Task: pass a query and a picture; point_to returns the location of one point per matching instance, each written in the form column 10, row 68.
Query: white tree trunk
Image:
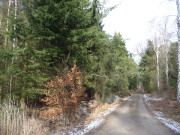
column 178, row 33
column 166, row 47
column 157, row 68
column 14, row 39
column 167, row 70
column 7, row 24
column 156, row 49
column 1, row 20
column 161, row 40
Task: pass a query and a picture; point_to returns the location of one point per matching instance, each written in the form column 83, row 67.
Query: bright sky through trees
column 132, row 19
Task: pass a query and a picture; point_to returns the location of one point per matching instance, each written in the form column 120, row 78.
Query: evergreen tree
column 51, row 36
column 173, row 67
column 148, row 68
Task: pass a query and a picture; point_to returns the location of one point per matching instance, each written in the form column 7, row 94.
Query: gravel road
column 132, row 118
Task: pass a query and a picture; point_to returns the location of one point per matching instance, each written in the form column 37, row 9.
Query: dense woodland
column 55, row 53
column 42, row 40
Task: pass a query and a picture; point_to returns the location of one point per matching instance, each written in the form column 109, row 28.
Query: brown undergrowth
column 64, row 96
column 97, row 108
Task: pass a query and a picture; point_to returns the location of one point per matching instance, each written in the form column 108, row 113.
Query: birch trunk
column 156, row 49
column 14, row 39
column 157, row 68
column 166, row 45
column 167, row 71
column 7, row 25
column 178, row 33
column 1, row 20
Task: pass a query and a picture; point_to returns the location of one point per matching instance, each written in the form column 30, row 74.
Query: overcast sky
column 132, row 19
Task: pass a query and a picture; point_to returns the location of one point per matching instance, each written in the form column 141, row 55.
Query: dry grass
column 117, row 102
column 99, row 108
column 14, row 121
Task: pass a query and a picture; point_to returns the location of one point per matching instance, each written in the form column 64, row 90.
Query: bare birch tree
column 161, row 39
column 165, row 39
column 155, row 38
column 166, row 47
column 156, row 46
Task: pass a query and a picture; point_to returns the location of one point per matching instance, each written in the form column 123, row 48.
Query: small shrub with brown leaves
column 65, row 94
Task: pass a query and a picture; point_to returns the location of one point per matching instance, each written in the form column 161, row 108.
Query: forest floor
column 168, row 106
column 166, row 109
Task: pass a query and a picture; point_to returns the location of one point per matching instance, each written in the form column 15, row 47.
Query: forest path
column 132, row 118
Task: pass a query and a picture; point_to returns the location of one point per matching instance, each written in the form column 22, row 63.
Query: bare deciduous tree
column 156, row 44
column 161, row 42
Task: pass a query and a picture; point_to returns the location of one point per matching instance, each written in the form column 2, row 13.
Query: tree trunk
column 1, row 20
column 157, row 69
column 0, row 93
column 167, row 71
column 178, row 25
column 166, row 45
column 156, row 49
column 15, row 15
column 7, row 25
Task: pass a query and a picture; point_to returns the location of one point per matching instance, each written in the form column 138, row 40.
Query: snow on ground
column 147, row 98
column 111, row 99
column 168, row 122
column 175, row 126
column 87, row 126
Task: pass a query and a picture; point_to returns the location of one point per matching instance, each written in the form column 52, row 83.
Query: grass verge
column 14, row 121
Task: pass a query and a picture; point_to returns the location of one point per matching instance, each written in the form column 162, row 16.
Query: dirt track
column 132, row 118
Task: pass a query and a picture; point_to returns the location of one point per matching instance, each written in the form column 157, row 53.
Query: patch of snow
column 110, row 110
column 85, row 128
column 168, row 122
column 126, row 98
column 92, row 124
column 116, row 97
column 147, row 98
column 112, row 99
column 88, row 126
column 84, row 109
